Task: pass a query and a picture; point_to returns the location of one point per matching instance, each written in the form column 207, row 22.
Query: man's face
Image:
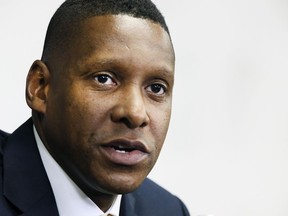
column 109, row 102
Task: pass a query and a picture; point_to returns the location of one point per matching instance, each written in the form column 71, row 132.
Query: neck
column 104, row 202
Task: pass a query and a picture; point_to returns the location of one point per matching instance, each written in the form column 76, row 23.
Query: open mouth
column 124, row 146
column 123, row 149
column 125, row 152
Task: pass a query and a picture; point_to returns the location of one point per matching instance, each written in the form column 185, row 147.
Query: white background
column 226, row 152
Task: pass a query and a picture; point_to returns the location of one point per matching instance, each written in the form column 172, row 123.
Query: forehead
column 122, row 25
column 119, row 35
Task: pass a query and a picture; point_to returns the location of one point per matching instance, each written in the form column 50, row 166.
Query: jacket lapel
column 26, row 184
column 128, row 204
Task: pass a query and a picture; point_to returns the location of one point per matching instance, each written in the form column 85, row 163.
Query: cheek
column 160, row 124
column 87, row 111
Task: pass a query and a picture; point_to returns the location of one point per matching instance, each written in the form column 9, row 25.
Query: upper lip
column 127, row 144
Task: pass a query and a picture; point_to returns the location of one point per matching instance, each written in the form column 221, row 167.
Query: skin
column 112, row 83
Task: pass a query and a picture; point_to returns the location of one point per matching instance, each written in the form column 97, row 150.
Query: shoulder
column 156, row 192
column 3, row 137
column 151, row 197
column 149, row 186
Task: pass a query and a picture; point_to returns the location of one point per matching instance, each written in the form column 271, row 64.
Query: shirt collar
column 70, row 199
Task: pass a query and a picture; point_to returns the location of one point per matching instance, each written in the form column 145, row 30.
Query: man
column 101, row 102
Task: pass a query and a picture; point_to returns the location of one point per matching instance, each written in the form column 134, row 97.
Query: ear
column 37, row 86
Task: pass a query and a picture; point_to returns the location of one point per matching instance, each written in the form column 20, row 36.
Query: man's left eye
column 158, row 89
column 104, row 79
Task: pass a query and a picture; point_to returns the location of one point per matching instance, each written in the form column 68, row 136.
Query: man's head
column 65, row 22
column 101, row 96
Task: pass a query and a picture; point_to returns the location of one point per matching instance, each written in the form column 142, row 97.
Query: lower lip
column 124, row 158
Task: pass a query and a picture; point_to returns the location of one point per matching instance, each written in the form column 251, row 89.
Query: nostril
column 126, row 122
column 134, row 121
column 144, row 124
column 132, row 113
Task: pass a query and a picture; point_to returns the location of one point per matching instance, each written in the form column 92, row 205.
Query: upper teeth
column 122, row 149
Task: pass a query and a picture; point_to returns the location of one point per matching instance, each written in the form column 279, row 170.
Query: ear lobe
column 37, row 86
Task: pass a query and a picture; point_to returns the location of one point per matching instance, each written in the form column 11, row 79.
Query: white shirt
column 70, row 199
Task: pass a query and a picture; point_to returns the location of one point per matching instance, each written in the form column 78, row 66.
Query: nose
column 130, row 109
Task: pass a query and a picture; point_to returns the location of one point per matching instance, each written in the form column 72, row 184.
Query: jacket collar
column 26, row 184
column 128, row 204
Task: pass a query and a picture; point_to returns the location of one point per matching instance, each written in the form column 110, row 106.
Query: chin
column 123, row 185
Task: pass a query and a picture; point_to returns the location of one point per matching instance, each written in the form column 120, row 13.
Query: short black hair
column 71, row 12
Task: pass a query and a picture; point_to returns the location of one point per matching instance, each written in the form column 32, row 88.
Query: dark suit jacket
column 25, row 189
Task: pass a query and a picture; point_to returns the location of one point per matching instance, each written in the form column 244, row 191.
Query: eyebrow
column 92, row 62
column 164, row 70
